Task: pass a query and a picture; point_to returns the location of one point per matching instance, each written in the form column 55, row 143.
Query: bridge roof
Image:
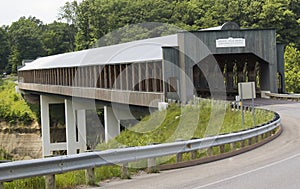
column 135, row 51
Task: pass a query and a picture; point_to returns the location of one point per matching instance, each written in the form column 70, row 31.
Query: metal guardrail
column 61, row 164
column 284, row 96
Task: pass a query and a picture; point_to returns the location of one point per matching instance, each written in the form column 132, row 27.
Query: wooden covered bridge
column 145, row 73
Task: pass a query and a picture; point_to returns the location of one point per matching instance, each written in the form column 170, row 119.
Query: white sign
column 231, row 42
column 247, row 90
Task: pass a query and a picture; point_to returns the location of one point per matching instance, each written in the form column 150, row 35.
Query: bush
column 13, row 108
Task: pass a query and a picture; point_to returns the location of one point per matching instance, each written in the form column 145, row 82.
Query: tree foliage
column 25, row 41
column 97, row 22
column 292, row 69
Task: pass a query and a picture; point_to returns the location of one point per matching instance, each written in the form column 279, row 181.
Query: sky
column 44, row 10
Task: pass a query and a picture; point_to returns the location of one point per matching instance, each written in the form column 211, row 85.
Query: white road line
column 248, row 172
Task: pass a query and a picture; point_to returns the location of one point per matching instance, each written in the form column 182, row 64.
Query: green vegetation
column 97, row 22
column 66, row 181
column 13, row 108
column 292, row 69
column 205, row 118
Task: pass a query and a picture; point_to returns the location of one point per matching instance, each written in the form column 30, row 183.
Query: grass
column 202, row 118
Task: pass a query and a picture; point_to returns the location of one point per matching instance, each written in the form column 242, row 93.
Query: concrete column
column 112, row 124
column 47, row 146
column 70, row 127
column 45, row 124
column 81, row 124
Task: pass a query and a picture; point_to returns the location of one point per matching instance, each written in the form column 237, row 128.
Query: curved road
column 275, row 165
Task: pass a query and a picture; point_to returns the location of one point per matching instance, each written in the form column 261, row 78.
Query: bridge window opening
column 257, row 77
column 57, row 123
column 279, row 82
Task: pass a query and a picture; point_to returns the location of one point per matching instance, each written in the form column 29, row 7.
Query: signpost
column 247, row 91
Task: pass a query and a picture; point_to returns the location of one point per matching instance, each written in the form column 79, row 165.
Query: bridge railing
column 89, row 160
column 295, row 97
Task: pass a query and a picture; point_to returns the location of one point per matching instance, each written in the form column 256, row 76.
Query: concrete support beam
column 112, row 124
column 70, row 127
column 47, row 147
column 75, row 119
column 81, row 124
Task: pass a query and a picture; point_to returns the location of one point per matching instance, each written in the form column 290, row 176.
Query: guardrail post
column 233, row 146
column 179, row 157
column 1, row 185
column 193, row 154
column 256, row 139
column 242, row 144
column 249, row 141
column 222, row 148
column 90, row 176
column 152, row 166
column 124, row 171
column 209, row 151
column 50, row 182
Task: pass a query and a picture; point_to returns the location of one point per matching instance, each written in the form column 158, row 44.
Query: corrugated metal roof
column 135, row 51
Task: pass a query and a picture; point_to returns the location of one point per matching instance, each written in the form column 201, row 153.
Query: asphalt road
column 275, row 165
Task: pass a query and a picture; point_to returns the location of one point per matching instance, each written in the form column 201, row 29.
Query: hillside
column 202, row 118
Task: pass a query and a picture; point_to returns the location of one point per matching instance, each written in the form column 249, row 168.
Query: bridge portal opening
column 243, row 67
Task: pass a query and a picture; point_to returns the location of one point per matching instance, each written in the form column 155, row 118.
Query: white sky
column 45, row 10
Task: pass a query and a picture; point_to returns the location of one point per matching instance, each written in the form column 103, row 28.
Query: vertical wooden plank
column 110, row 73
column 129, row 77
column 126, row 78
column 140, row 77
column 105, row 76
column 155, row 78
column 100, row 69
column 147, row 77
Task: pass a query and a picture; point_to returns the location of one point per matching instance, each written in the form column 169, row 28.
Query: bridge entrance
column 244, row 67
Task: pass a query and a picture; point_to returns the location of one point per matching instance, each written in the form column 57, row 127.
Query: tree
column 4, row 48
column 58, row 38
column 25, row 41
column 292, row 69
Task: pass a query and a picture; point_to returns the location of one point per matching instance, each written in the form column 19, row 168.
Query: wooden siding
column 140, row 82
